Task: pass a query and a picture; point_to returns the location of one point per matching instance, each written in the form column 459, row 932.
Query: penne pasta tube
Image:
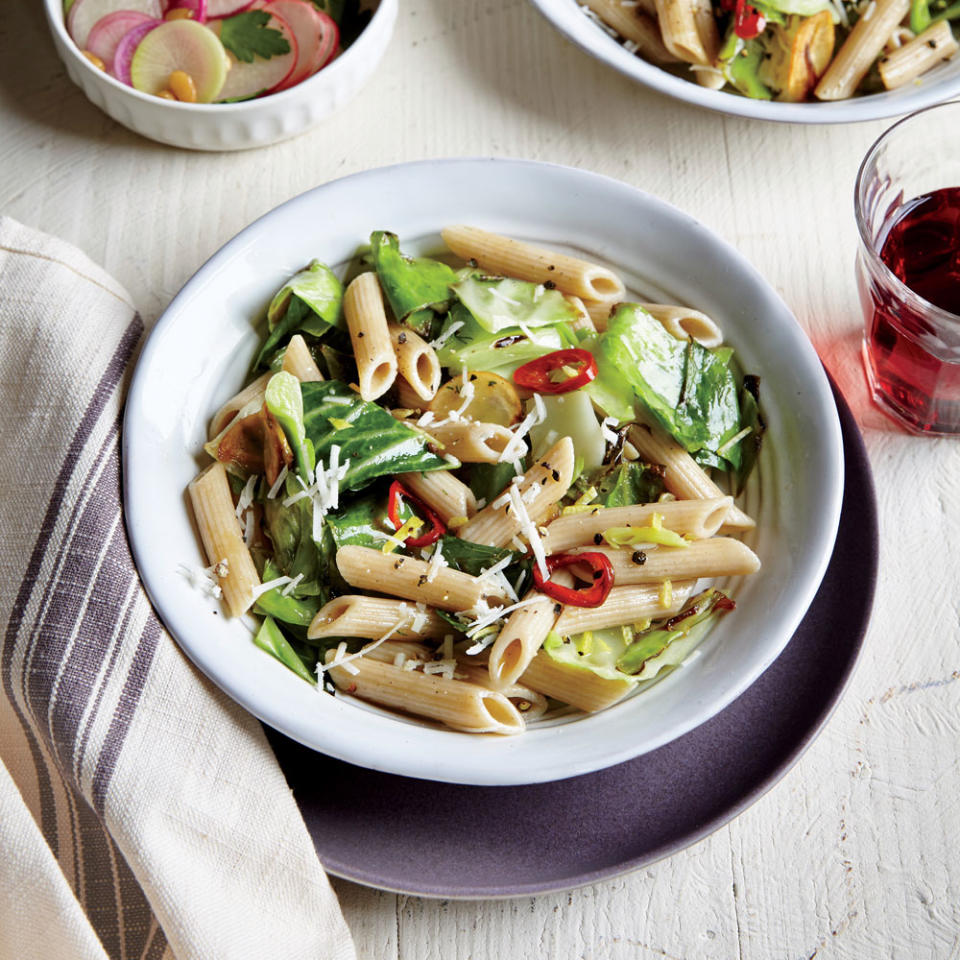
column 253, row 391
column 417, row 362
column 370, row 336
column 470, row 441
column 407, row 397
column 519, row 640
column 514, row 258
column 918, row 56
column 635, row 25
column 600, row 313
column 574, row 685
column 682, row 323
column 716, row 557
column 529, row 702
column 678, row 22
column 388, row 651
column 624, row 605
column 497, row 523
column 407, row 577
column 298, row 361
column 440, row 490
column 684, row 477
column 697, row 519
column 222, row 539
column 463, row 706
column 371, row 617
column 861, row 48
column 706, row 24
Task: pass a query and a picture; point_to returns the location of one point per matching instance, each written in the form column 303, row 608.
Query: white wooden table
column 856, row 853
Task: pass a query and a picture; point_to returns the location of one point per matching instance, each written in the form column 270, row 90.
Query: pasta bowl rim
column 876, row 106
column 156, row 425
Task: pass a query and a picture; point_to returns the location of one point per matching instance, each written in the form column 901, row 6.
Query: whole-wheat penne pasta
column 528, row 701
column 716, row 557
column 388, row 651
column 416, row 362
column 635, row 25
column 580, row 688
column 697, row 519
column 222, row 539
column 298, row 361
column 919, row 55
column 408, row 577
column 463, row 706
column 367, row 322
column 684, row 477
column 236, row 403
column 706, row 24
column 678, row 27
column 861, row 48
column 600, row 312
column 682, row 322
column 440, row 490
column 371, row 617
column 514, row 258
column 519, row 640
column 407, row 397
column 626, row 604
column 498, row 523
column 429, row 448
column 470, row 441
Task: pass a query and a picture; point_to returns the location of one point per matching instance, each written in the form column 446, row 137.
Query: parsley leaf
column 247, row 35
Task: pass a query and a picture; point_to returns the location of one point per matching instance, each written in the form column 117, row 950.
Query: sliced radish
column 199, row 8
column 84, row 15
column 180, row 45
column 108, row 31
column 316, row 32
column 127, row 47
column 226, row 8
column 262, row 76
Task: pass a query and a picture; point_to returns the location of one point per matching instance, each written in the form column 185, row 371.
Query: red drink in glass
column 909, row 275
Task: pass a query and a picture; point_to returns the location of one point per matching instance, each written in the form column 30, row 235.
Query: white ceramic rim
column 371, row 739
column 942, row 83
column 329, row 74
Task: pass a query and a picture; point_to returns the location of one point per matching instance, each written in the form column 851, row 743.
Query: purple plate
column 453, row 841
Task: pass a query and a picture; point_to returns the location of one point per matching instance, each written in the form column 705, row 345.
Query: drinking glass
column 911, row 347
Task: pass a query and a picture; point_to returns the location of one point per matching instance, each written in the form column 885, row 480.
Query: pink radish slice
column 199, row 8
column 84, row 15
column 180, row 45
column 261, row 76
column 217, row 9
column 108, row 31
column 127, row 47
column 317, row 36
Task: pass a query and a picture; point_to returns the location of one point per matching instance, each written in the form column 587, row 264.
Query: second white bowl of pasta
column 460, row 499
column 796, row 61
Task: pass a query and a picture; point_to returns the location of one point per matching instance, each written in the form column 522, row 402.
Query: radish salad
column 212, row 51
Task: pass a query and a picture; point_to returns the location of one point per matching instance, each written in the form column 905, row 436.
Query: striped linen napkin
column 142, row 813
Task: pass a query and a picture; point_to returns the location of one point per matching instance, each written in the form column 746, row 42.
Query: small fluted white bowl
column 230, row 126
column 941, row 83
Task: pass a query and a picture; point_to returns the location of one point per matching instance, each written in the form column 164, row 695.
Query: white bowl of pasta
column 431, row 662
column 851, row 60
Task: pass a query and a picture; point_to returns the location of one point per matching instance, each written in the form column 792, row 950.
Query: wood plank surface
column 856, row 853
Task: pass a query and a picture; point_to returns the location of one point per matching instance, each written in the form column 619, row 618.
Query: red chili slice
column 748, row 21
column 592, row 596
column 437, row 526
column 535, row 375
